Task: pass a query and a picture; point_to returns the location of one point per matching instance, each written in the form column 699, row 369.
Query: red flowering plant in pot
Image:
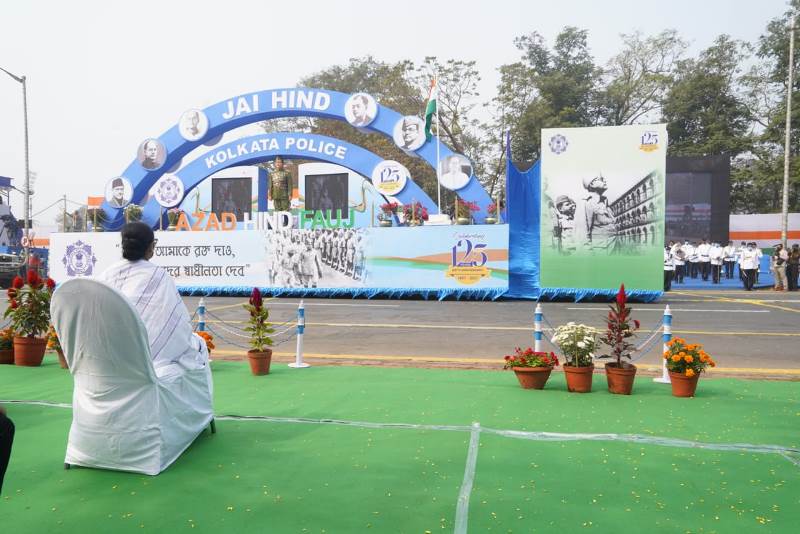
column 415, row 213
column 388, row 210
column 532, row 368
column 29, row 310
column 619, row 329
column 259, row 327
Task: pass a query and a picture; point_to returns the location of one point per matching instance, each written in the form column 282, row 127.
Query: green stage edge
column 256, row 476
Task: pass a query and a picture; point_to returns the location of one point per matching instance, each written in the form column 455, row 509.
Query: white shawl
column 153, row 293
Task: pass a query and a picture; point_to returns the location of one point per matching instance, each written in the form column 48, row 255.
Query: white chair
column 124, row 416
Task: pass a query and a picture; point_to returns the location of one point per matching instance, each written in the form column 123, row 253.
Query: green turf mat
column 251, row 476
column 725, row 410
column 534, row 486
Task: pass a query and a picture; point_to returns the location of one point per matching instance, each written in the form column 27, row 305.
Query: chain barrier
column 219, row 336
column 645, row 347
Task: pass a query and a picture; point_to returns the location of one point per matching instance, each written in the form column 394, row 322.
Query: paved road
column 743, row 330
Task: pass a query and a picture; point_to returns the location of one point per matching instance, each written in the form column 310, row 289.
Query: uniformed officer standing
column 729, row 257
column 280, row 186
column 705, row 261
column 669, row 269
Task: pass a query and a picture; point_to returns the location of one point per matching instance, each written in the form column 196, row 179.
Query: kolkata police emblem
column 168, row 191
column 79, row 259
column 558, row 144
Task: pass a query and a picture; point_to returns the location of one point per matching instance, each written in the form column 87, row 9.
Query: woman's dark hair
column 136, row 238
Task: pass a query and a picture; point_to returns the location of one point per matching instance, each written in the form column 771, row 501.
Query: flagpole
column 438, row 142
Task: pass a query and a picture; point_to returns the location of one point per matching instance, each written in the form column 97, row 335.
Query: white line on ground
column 661, row 310
column 462, row 507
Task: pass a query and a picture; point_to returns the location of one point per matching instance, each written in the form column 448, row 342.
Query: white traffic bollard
column 666, row 337
column 301, row 325
column 537, row 328
column 201, row 315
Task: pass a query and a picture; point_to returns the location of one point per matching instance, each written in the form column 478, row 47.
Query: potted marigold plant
column 532, row 368
column 578, row 343
column 685, row 362
column 54, row 344
column 260, row 356
column 619, row 329
column 209, row 340
column 7, row 346
column 29, row 309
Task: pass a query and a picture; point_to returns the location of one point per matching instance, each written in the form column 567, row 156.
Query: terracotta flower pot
column 620, row 379
column 532, row 377
column 682, row 385
column 259, row 361
column 579, row 379
column 7, row 357
column 62, row 361
column 29, row 351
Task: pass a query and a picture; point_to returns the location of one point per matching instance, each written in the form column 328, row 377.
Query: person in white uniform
column 152, row 292
column 715, row 256
column 669, row 269
column 749, row 265
column 702, row 251
column 729, row 259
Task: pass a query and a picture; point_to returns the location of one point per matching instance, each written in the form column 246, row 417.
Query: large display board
column 602, row 207
column 473, row 259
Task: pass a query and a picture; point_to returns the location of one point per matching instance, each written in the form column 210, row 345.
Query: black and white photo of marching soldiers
column 316, row 258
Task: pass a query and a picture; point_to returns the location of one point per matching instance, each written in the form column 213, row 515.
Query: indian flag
column 430, row 109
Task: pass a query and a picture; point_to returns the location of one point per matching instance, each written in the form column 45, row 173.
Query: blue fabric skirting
column 350, row 292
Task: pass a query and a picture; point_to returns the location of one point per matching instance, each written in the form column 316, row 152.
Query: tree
column 636, row 80
column 704, row 112
column 547, row 88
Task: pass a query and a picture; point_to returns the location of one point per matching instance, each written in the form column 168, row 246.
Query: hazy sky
column 104, row 75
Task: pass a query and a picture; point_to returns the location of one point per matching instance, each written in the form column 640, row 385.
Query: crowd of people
column 711, row 260
column 296, row 259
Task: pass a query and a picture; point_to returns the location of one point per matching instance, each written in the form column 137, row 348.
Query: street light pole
column 785, row 206
column 27, row 209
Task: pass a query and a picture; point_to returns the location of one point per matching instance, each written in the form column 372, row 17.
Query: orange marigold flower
column 690, row 373
column 688, row 358
column 712, row 363
column 676, row 358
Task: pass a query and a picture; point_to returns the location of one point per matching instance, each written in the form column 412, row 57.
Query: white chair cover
column 124, row 416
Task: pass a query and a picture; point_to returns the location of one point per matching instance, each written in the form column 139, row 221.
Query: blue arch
column 271, row 104
column 265, row 147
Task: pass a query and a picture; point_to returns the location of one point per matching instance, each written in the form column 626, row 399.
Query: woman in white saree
column 152, row 292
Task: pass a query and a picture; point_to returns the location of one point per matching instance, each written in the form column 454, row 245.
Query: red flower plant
column 255, row 299
column 18, row 282
column 530, row 358
column 34, row 280
column 259, row 326
column 13, row 304
column 51, row 284
column 620, row 327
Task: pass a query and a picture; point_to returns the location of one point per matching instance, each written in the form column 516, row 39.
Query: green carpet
column 257, row 476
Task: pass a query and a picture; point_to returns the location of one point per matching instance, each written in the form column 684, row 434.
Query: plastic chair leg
column 213, row 427
column 66, row 465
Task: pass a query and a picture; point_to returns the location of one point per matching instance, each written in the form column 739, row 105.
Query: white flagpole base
column 303, row 365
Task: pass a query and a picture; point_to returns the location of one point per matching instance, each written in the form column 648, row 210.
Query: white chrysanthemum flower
column 581, row 344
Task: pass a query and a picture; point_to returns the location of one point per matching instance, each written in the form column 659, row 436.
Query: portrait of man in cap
column 564, row 227
column 118, row 192
column 598, row 217
column 409, row 133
